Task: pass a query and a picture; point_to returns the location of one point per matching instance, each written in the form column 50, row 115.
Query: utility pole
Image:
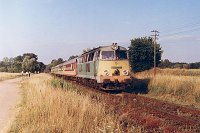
column 156, row 33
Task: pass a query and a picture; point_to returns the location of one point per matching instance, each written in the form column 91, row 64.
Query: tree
column 29, row 64
column 18, row 58
column 31, row 55
column 6, row 61
column 141, row 54
column 55, row 62
column 40, row 67
column 165, row 64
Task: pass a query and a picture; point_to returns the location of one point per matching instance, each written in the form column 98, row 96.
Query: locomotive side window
column 85, row 58
column 107, row 55
column 97, row 55
column 91, row 56
column 120, row 55
column 80, row 60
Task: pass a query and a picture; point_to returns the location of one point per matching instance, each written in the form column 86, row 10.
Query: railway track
column 150, row 114
column 155, row 115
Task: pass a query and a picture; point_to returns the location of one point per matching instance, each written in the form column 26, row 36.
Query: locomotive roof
column 100, row 47
column 104, row 47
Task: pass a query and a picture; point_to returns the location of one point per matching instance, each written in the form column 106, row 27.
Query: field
column 52, row 105
column 4, row 76
column 179, row 86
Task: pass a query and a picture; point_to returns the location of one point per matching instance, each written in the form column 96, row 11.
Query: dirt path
column 9, row 95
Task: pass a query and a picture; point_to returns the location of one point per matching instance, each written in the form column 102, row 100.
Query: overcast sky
column 60, row 28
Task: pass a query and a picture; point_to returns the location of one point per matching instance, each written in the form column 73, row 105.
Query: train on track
column 105, row 67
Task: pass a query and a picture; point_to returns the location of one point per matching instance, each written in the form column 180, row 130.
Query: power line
column 188, row 25
column 180, row 23
column 189, row 30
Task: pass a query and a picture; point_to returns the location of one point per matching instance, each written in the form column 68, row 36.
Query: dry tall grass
column 181, row 86
column 48, row 109
column 4, row 75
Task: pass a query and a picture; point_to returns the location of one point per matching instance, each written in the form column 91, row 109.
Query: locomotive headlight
column 125, row 72
column 106, row 72
column 114, row 46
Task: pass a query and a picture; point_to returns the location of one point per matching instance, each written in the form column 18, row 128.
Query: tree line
column 167, row 64
column 140, row 51
column 26, row 63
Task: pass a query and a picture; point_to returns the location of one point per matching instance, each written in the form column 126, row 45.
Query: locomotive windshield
column 114, row 55
column 108, row 55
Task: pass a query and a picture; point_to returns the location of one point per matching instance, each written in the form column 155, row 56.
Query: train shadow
column 138, row 86
column 113, row 91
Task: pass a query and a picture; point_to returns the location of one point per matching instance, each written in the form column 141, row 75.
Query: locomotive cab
column 117, row 53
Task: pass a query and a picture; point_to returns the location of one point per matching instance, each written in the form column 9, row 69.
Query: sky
column 61, row 28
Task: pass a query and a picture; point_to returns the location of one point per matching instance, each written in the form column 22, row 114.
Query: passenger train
column 105, row 67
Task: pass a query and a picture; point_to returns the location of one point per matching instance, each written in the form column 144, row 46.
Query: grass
column 51, row 105
column 180, row 86
column 5, row 76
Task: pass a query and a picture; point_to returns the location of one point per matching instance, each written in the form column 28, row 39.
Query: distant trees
column 141, row 54
column 167, row 64
column 8, row 65
column 195, row 65
column 72, row 57
column 26, row 62
column 53, row 63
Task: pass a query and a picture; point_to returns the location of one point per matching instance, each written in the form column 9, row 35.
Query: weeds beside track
column 149, row 114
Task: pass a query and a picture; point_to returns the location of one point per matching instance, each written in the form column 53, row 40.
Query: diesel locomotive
column 105, row 67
